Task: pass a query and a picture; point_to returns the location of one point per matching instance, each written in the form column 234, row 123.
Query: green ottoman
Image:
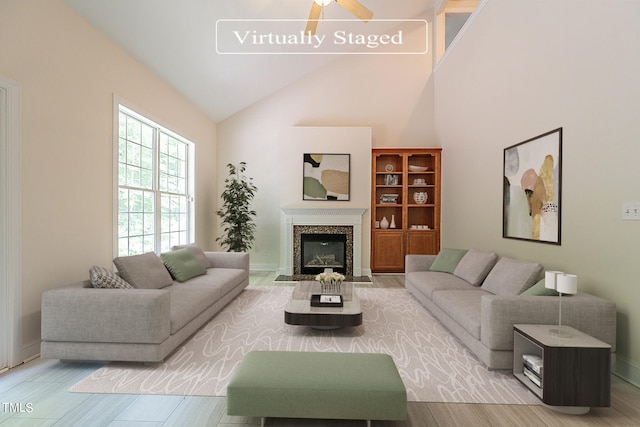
column 283, row 384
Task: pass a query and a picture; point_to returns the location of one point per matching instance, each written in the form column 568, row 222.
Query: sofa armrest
column 239, row 260
column 418, row 262
column 81, row 314
column 590, row 314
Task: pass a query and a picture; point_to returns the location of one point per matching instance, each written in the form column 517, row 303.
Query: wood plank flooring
column 36, row 394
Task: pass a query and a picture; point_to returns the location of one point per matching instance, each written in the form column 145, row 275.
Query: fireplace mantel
column 323, row 216
column 291, row 211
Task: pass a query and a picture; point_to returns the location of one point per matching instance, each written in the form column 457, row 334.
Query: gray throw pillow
column 447, row 260
column 475, row 265
column 182, row 264
column 199, row 253
column 511, row 276
column 103, row 278
column 144, row 271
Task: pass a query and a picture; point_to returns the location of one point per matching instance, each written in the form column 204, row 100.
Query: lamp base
column 561, row 333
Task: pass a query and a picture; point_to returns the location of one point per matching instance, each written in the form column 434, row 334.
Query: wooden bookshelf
column 402, row 178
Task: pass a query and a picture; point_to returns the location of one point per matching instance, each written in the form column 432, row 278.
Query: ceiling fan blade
column 314, row 15
column 356, row 8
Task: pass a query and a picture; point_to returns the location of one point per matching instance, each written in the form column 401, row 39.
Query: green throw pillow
column 447, row 260
column 182, row 264
column 538, row 290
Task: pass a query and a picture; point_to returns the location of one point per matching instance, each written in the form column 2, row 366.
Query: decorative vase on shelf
column 420, row 197
column 393, row 222
column 384, row 223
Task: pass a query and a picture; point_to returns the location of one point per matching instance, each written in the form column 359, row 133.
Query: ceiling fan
column 353, row 6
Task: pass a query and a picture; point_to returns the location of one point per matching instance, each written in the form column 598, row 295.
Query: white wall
column 68, row 73
column 391, row 94
column 525, row 68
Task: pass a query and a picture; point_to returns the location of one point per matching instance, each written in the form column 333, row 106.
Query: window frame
column 120, row 105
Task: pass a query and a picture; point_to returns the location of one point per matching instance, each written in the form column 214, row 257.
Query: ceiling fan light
column 323, row 2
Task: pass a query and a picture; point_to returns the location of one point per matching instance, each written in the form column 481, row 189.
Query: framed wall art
column 325, row 176
column 532, row 182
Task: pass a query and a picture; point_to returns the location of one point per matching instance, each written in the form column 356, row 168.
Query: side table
column 576, row 369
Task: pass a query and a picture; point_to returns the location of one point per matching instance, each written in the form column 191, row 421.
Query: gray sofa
column 479, row 297
column 148, row 319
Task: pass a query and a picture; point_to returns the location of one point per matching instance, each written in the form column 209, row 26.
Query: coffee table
column 300, row 312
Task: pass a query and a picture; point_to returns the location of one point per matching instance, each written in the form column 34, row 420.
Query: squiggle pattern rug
column 434, row 365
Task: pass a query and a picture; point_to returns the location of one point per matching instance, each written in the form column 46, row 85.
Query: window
column 155, row 184
column 449, row 22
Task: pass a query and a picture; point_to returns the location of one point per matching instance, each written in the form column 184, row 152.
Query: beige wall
column 391, row 94
column 525, row 68
column 68, row 74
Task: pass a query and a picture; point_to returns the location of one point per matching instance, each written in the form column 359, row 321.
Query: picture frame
column 326, row 177
column 532, row 189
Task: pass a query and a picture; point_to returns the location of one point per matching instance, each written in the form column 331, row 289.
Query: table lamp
column 564, row 284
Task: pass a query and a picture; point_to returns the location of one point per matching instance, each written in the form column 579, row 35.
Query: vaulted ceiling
column 177, row 41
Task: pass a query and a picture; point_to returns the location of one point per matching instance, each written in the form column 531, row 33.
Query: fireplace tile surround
column 299, row 230
column 331, row 220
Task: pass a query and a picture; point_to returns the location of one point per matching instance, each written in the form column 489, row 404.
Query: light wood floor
column 36, row 394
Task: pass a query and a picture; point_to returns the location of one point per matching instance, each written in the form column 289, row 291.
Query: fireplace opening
column 320, row 251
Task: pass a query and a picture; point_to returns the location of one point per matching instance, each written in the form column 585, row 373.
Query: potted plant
column 237, row 218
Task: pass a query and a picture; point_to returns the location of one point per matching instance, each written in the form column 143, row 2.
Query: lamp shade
column 550, row 279
column 567, row 283
column 323, row 2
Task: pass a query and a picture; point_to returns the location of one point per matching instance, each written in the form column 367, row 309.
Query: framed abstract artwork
column 532, row 184
column 325, row 176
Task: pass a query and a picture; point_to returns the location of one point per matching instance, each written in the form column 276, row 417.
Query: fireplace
column 316, row 247
column 320, row 251
column 317, row 220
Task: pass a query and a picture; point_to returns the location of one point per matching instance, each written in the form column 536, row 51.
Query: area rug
column 434, row 365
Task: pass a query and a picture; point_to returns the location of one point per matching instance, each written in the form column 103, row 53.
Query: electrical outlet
column 631, row 211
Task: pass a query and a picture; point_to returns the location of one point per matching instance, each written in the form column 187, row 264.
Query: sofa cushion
column 198, row 252
column 511, row 276
column 182, row 264
column 225, row 279
column 463, row 306
column 144, row 271
column 103, row 278
column 447, row 260
column 475, row 265
column 539, row 290
column 187, row 302
column 429, row 281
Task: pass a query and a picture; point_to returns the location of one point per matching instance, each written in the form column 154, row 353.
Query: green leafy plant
column 237, row 217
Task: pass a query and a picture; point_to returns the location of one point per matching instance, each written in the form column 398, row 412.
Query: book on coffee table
column 325, row 300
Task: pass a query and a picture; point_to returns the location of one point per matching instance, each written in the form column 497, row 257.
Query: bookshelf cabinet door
column 388, row 254
column 422, row 242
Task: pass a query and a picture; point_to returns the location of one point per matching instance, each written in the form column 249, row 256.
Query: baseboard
column 30, row 351
column 627, row 371
column 263, row 267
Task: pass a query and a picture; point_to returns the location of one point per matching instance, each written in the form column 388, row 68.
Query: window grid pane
column 173, row 165
column 135, row 153
column 136, row 221
column 174, row 221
